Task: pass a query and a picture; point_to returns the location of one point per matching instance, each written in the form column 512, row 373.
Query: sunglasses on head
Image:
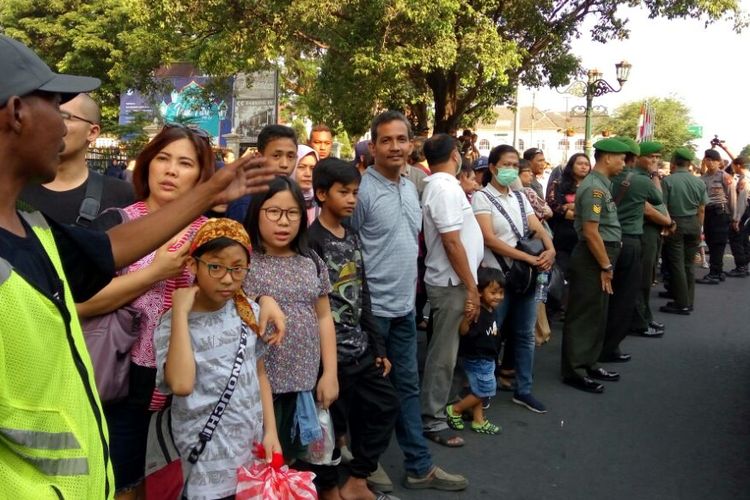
column 195, row 130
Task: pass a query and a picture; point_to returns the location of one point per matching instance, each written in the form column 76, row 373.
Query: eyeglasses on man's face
column 218, row 271
column 69, row 117
column 274, row 214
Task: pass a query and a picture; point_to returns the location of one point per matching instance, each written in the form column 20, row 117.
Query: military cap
column 683, row 154
column 612, row 146
column 634, row 148
column 651, row 147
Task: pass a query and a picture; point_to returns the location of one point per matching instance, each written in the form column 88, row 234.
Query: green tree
column 671, row 121
column 745, row 153
column 341, row 60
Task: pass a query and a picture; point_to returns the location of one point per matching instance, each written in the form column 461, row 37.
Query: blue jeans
column 400, row 335
column 517, row 314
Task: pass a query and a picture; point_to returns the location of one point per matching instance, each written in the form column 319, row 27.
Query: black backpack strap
column 92, row 200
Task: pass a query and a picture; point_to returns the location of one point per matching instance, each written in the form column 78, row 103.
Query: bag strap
column 525, row 220
column 213, row 420
column 623, row 188
column 92, row 200
column 505, row 214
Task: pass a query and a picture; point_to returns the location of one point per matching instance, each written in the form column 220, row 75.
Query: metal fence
column 100, row 158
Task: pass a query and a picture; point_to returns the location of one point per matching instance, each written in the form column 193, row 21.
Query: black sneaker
column 530, row 402
column 738, row 272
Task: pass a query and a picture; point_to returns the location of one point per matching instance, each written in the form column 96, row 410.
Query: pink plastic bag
column 274, row 481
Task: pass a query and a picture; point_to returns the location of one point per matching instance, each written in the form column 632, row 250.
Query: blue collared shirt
column 388, row 219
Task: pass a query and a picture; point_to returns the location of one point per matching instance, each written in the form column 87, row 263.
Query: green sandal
column 486, row 427
column 454, row 421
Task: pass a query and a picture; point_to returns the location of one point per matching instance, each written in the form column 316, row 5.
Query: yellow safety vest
column 53, row 437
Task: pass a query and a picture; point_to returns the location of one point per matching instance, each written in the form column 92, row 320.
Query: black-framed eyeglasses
column 195, row 130
column 217, row 271
column 274, row 214
column 70, row 117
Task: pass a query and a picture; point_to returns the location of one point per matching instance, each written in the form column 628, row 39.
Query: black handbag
column 520, row 277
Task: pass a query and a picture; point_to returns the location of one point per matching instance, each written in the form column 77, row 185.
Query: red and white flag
column 645, row 130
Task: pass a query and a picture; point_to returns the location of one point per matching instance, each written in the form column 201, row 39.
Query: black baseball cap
column 23, row 72
column 712, row 154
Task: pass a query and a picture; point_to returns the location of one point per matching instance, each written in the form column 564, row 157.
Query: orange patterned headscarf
column 227, row 228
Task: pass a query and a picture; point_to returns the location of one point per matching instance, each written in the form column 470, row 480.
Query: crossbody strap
column 213, row 420
column 623, row 188
column 505, row 213
column 92, row 200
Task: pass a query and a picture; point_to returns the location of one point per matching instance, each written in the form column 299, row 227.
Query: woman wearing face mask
column 517, row 313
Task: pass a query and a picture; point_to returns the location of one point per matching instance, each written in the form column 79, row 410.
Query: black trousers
column 716, row 230
column 368, row 406
column 739, row 242
column 626, row 283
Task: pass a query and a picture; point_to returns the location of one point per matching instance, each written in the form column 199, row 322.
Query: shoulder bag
column 520, row 277
column 167, row 473
column 109, row 338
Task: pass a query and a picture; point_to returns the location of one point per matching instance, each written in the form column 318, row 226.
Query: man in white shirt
column 454, row 251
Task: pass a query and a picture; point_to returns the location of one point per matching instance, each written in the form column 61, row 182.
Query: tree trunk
column 445, row 94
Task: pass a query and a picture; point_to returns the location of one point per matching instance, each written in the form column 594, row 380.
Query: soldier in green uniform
column 656, row 218
column 591, row 270
column 631, row 190
column 685, row 197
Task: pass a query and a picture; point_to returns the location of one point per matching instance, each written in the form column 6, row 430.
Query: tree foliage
column 342, row 60
column 671, row 121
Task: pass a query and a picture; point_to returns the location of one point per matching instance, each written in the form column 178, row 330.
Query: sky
column 707, row 68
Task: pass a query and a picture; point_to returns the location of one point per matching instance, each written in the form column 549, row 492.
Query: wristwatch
column 608, row 269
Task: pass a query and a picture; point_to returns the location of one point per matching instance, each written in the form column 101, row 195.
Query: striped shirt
column 388, row 219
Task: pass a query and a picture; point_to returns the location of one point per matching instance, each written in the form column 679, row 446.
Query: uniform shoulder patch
column 597, row 209
column 597, row 193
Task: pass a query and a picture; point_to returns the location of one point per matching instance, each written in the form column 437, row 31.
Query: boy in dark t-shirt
column 479, row 348
column 367, row 402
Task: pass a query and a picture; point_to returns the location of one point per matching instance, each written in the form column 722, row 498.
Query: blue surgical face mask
column 506, row 175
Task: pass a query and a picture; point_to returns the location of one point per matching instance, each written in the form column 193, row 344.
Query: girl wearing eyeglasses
column 285, row 268
column 174, row 162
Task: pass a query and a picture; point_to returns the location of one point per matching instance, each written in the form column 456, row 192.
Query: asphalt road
column 676, row 426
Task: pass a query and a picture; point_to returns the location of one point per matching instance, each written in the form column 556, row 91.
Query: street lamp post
column 596, row 86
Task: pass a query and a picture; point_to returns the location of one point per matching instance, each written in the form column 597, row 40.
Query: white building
column 552, row 132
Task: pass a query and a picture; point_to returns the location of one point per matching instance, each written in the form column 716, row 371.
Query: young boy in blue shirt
column 367, row 404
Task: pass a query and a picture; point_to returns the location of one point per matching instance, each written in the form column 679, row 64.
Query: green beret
column 634, row 148
column 683, row 154
column 651, row 147
column 612, row 146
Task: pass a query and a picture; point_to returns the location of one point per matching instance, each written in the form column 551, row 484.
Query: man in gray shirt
column 388, row 219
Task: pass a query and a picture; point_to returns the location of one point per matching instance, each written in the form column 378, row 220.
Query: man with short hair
column 592, row 264
column 685, row 197
column 739, row 236
column 455, row 249
column 277, row 144
column 535, row 157
column 631, row 190
column 63, row 199
column 722, row 199
column 321, row 140
column 388, row 219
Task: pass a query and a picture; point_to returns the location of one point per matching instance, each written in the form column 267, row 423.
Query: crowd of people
column 298, row 280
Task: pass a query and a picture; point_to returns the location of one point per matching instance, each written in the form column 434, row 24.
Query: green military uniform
column 683, row 194
column 650, row 251
column 586, row 317
column 631, row 189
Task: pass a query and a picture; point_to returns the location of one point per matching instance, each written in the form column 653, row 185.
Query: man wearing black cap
column 54, row 442
column 592, row 264
column 535, row 157
column 722, row 199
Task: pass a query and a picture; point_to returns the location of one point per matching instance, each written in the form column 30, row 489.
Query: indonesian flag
column 645, row 131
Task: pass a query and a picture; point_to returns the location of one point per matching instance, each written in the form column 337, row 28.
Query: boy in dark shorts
column 367, row 404
column 479, row 348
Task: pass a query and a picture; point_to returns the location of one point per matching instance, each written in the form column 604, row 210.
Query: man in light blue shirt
column 388, row 219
